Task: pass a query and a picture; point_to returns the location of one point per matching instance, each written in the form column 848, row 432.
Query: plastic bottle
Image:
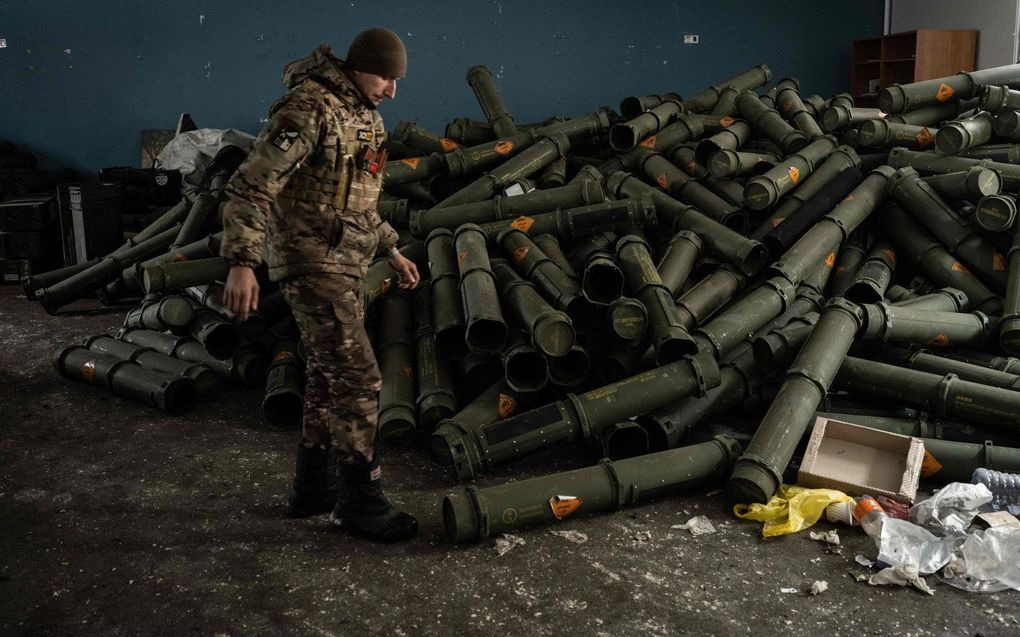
column 1005, row 487
column 869, row 513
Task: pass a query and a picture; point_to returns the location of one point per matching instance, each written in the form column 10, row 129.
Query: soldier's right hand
column 241, row 292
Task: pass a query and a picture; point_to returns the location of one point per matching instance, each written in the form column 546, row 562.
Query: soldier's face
column 374, row 87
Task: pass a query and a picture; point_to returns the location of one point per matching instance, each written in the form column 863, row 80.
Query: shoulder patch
column 285, row 139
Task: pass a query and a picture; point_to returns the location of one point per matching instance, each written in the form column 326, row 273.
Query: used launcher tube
column 398, row 421
column 962, row 86
column 436, row 399
column 486, row 330
column 475, row 513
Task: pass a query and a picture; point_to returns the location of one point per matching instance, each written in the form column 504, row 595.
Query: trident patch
column 285, row 140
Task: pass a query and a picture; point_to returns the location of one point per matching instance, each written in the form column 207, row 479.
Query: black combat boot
column 316, row 481
column 363, row 510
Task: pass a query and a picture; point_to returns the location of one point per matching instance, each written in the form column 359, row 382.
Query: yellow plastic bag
column 792, row 509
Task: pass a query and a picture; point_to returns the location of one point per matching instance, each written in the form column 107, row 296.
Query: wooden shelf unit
column 911, row 56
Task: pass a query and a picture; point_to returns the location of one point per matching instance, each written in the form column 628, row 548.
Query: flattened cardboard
column 859, row 460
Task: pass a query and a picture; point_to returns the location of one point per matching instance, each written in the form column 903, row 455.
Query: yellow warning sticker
column 448, row 144
column 924, row 138
column 999, row 262
column 959, row 267
column 506, row 406
column 940, row 341
column 929, row 466
column 661, row 180
column 504, row 147
column 831, row 259
column 88, row 370
column 522, row 223
column 794, row 174
column 648, row 142
column 944, row 93
column 412, row 163
column 563, row 505
column 520, row 253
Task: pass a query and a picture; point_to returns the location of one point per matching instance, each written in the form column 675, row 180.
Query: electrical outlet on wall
column 691, row 39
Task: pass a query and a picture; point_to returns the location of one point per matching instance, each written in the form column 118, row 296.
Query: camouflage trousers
column 341, row 395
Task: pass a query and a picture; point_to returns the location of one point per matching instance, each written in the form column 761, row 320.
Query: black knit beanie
column 379, row 51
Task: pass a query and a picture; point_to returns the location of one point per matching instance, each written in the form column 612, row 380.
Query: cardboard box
column 861, row 461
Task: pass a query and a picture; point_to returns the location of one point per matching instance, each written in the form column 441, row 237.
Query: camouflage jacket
column 300, row 196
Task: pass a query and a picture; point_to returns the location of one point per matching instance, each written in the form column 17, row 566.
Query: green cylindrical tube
column 524, row 367
column 874, row 275
column 745, row 315
column 770, row 123
column 731, row 138
column 851, row 254
column 284, row 401
column 774, row 350
column 659, row 170
column 942, row 395
column 33, row 282
column 610, row 485
column 554, row 175
column 708, row 295
column 626, row 135
column 928, row 254
column 436, row 400
column 996, row 99
column 763, row 191
column 1007, row 125
column 925, row 361
column 578, row 417
column 726, row 105
column 181, row 274
column 469, row 132
column 549, row 330
column 758, row 473
column 727, row 164
column 627, row 318
column 936, row 329
column 747, row 254
column 676, row 263
column 945, row 300
column 444, row 285
column 480, row 79
column 398, row 421
column 1009, row 328
column 792, row 107
column 833, row 229
column 206, row 204
column 880, row 133
column 571, row 369
column 219, row 337
column 669, row 339
column 931, row 115
column 623, row 440
column 424, row 221
column 245, row 366
column 995, row 213
column 729, row 190
column 550, row 245
column 602, row 281
column 173, row 394
column 485, row 328
column 631, row 107
column 962, row 86
column 1002, row 153
column 573, row 223
column 171, row 313
column 206, row 381
column 840, row 118
column 961, row 134
column 131, row 277
column 422, row 139
column 939, row 164
column 972, row 183
column 747, row 81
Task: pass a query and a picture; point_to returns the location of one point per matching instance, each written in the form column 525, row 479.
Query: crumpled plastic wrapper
column 508, row 543
column 819, row 587
column 574, row 536
column 699, row 525
column 191, row 152
column 903, row 542
column 901, row 575
column 988, row 562
column 829, row 537
column 951, row 510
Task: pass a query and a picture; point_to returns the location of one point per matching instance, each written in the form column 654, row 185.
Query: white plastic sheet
column 191, row 152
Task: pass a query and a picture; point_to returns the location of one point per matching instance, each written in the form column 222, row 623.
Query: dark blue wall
column 80, row 78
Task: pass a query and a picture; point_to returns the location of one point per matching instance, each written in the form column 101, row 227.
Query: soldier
column 307, row 194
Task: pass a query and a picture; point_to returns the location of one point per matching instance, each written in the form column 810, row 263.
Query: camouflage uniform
column 302, row 199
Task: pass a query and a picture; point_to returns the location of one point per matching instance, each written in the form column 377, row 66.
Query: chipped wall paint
column 81, row 82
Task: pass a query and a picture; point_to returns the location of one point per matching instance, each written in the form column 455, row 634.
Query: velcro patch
column 365, row 135
column 285, row 139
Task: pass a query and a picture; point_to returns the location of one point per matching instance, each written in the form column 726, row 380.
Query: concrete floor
column 116, row 518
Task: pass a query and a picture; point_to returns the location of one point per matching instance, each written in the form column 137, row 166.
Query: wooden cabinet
column 912, row 56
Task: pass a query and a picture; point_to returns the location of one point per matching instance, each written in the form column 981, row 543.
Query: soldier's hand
column 407, row 271
column 241, row 292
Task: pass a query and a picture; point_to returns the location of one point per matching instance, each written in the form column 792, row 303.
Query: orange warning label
column 999, row 262
column 520, row 253
column 178, row 257
column 563, row 505
column 692, row 168
column 283, row 356
column 831, row 259
column 506, row 406
column 408, row 372
column 88, row 370
column 940, row 341
column 890, row 254
column 794, row 173
column 411, row 163
column 522, row 223
column 866, row 506
column 944, row 93
column 959, row 267
column 841, row 269
column 929, row 466
column 648, row 142
column 661, row 180
column 448, row 144
column 504, row 147
column 924, row 138
column 726, row 122
column 849, row 197
column 387, row 284
column 777, row 221
column 460, row 258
